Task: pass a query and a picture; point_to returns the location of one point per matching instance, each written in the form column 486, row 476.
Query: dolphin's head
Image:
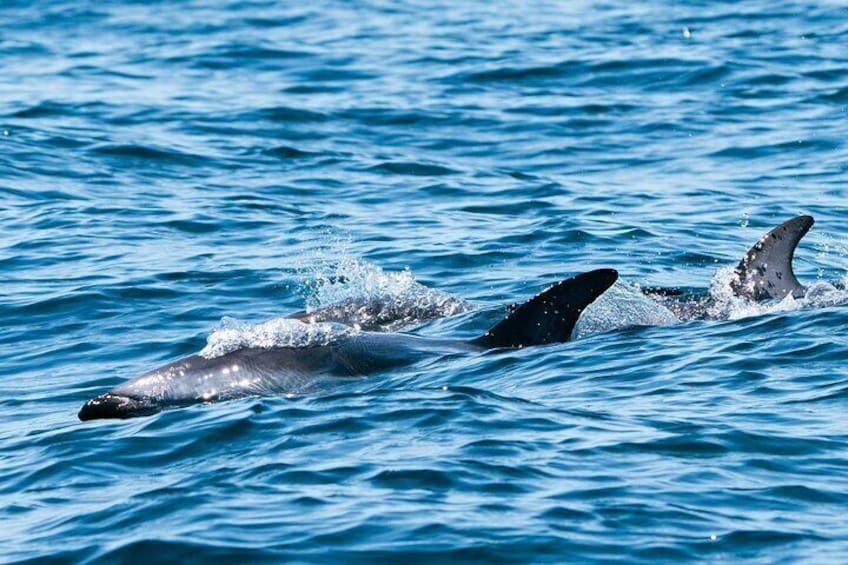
column 111, row 405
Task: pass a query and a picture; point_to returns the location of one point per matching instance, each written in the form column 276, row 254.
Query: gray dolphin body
column 263, row 372
column 764, row 273
column 548, row 317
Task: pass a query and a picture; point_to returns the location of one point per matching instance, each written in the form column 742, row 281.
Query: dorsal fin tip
column 550, row 316
column 765, row 272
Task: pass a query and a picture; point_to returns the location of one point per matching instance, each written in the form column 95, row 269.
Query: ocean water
column 172, row 171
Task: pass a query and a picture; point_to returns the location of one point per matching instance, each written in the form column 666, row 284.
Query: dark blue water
column 166, row 164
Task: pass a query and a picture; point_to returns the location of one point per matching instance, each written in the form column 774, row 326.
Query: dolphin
column 763, row 274
column 549, row 317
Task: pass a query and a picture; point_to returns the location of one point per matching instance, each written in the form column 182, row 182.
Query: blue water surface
column 166, row 164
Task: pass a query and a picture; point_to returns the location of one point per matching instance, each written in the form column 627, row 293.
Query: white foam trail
column 623, row 305
column 279, row 332
column 391, row 299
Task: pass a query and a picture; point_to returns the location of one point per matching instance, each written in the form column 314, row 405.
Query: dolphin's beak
column 112, row 405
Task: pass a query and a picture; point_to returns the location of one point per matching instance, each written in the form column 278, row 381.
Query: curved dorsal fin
column 549, row 317
column 765, row 272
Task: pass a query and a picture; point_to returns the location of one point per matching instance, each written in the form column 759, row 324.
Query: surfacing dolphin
column 548, row 317
column 763, row 274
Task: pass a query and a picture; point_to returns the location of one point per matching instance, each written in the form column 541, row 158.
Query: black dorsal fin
column 766, row 270
column 549, row 317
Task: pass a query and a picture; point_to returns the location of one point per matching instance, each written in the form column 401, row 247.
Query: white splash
column 372, row 297
column 280, row 332
column 727, row 306
column 351, row 278
column 622, row 306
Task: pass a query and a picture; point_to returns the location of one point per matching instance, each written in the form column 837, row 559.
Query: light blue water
column 166, row 164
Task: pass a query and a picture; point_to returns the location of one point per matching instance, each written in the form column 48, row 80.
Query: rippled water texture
column 164, row 165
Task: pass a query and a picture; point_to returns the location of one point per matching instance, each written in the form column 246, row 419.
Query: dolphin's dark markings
column 764, row 273
column 766, row 270
column 548, row 317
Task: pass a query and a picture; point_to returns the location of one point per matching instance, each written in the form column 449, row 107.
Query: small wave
column 288, row 152
column 241, row 52
column 225, row 56
column 233, row 335
column 285, row 114
column 517, row 74
column 839, row 96
column 764, row 151
column 196, row 225
column 412, row 169
column 49, row 109
column 147, row 153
